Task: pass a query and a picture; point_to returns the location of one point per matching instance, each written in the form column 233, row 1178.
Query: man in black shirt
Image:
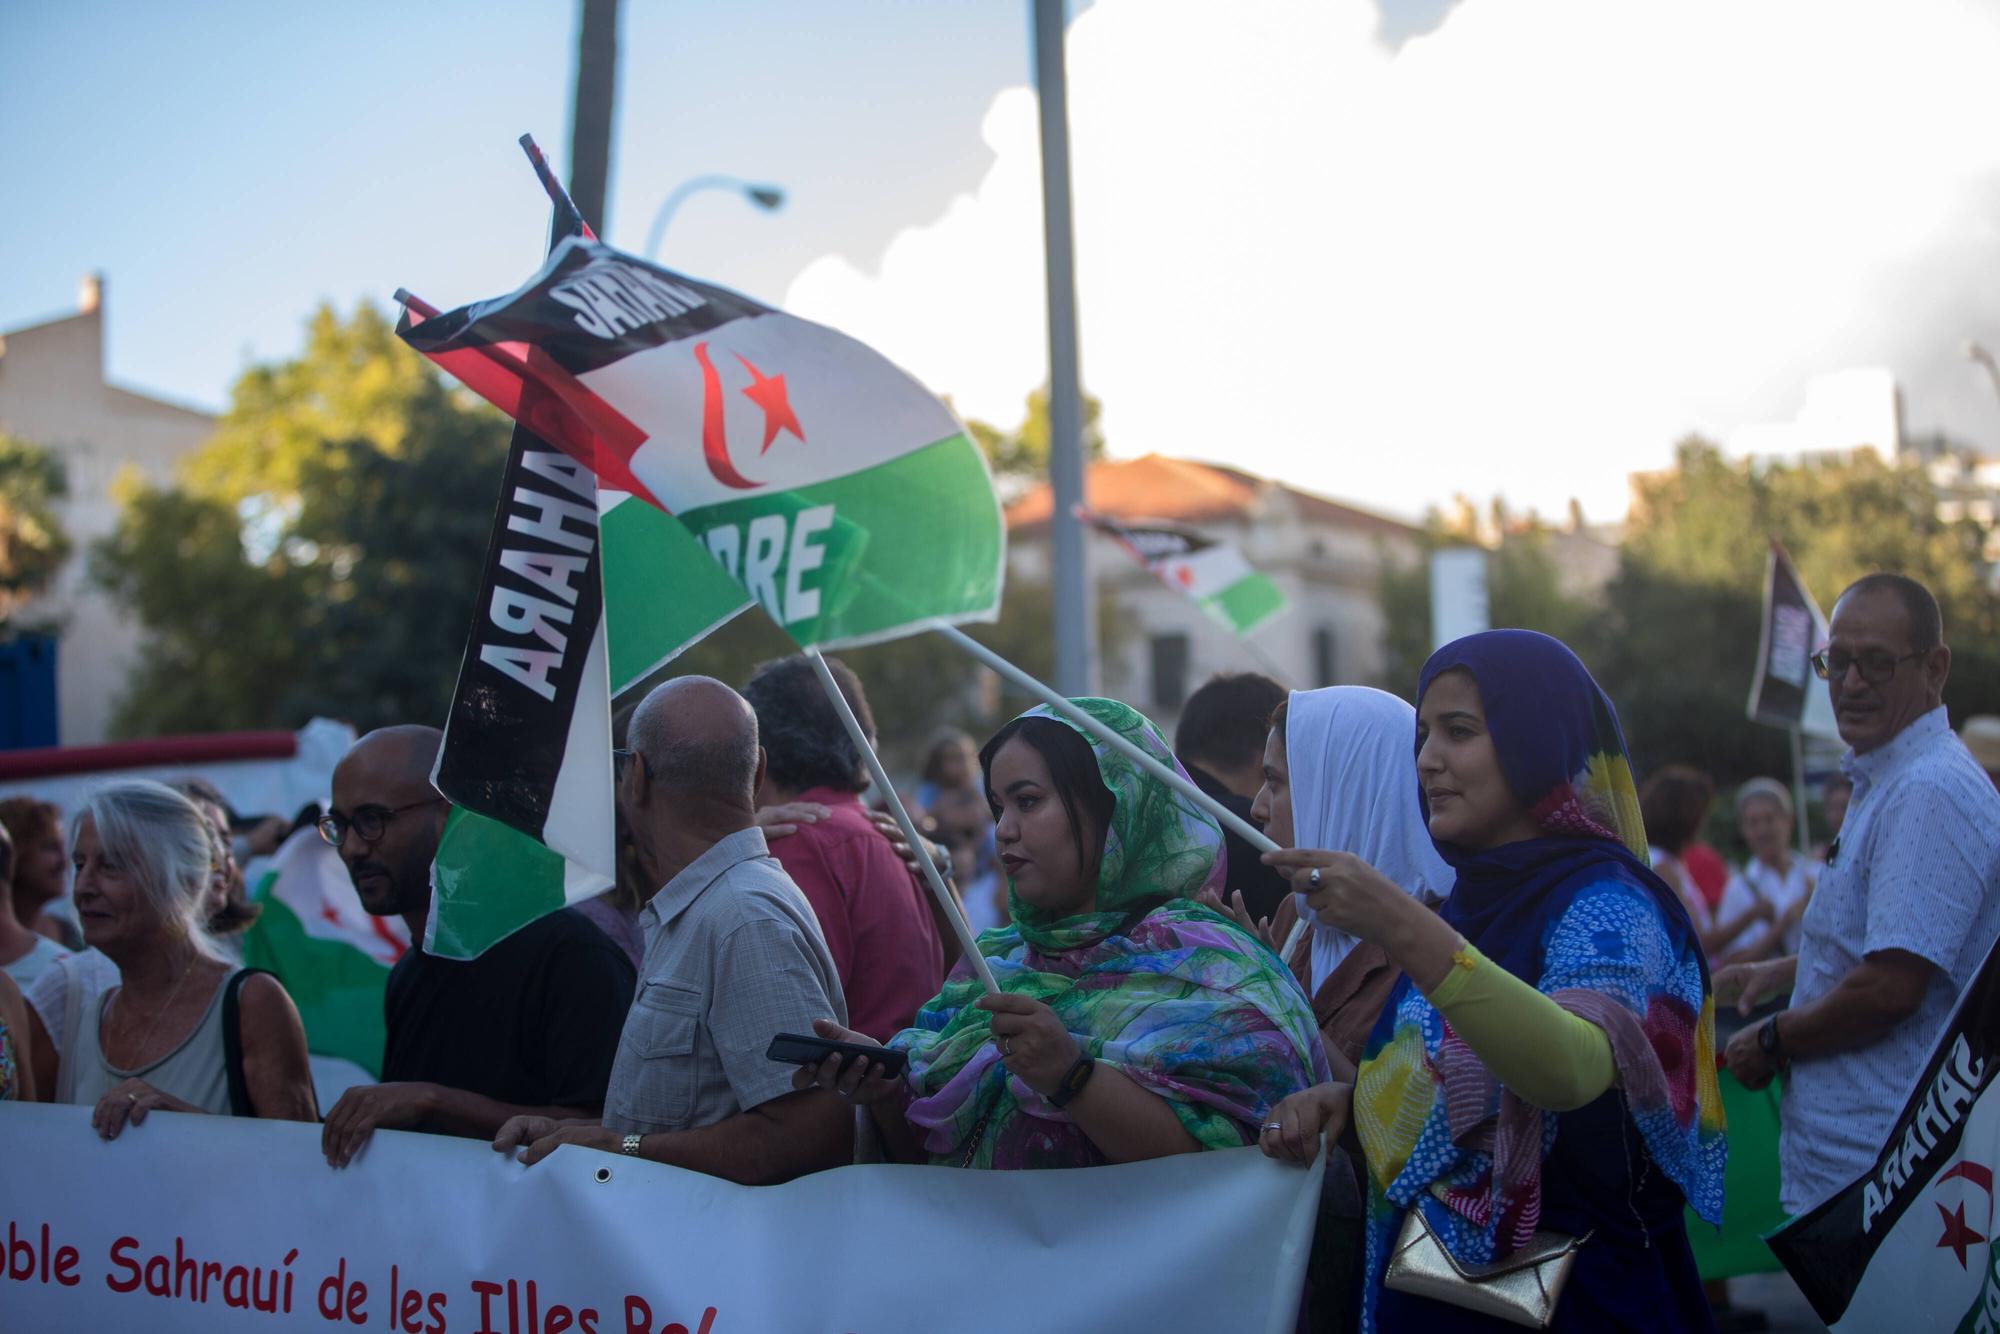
column 528, row 1028
column 1220, row 742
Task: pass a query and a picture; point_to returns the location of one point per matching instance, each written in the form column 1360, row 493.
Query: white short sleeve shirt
column 1916, row 868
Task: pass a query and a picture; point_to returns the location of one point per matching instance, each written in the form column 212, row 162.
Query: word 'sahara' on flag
column 526, row 759
column 1784, row 692
column 836, row 491
column 331, row 954
column 1212, row 572
column 1911, row 1245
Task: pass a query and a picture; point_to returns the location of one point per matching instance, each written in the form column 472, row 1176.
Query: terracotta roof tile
column 1182, row 490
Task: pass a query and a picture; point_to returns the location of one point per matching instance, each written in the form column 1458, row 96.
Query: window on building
column 1326, row 656
column 1170, row 671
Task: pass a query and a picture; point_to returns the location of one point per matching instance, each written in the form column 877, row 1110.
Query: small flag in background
column 1784, row 692
column 333, row 957
column 1213, row 573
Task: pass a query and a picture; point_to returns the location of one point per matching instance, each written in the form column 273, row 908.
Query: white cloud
column 1523, row 254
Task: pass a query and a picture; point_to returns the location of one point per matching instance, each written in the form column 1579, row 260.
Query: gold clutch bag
column 1523, row 1288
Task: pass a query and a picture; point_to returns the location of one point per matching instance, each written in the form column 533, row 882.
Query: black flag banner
column 1784, row 692
column 526, row 759
column 1911, row 1245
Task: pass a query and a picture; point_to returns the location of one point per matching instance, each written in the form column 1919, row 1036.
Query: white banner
column 207, row 1223
column 1458, row 594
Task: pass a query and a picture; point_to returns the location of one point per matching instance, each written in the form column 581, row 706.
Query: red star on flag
column 768, row 393
column 1957, row 1234
column 1184, row 575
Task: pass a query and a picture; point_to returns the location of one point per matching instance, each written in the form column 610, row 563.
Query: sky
column 1391, row 250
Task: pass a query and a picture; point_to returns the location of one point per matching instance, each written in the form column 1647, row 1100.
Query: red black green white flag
column 1912, row 1245
column 681, row 451
column 1213, row 573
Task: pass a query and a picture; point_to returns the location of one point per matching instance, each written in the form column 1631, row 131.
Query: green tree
column 1523, row 588
column 1020, row 457
column 1678, row 640
column 1674, row 637
column 319, row 555
column 33, row 544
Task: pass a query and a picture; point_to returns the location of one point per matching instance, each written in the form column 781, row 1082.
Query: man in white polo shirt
column 1906, row 909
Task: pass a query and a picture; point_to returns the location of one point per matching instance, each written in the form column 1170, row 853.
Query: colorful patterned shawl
column 1580, row 915
column 1177, row 998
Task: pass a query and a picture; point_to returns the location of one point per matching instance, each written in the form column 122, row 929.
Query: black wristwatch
column 1072, row 1082
column 1767, row 1041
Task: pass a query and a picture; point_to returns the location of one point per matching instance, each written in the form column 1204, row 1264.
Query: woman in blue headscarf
column 1547, row 1061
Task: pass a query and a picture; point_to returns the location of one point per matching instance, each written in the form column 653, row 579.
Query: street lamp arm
column 766, row 197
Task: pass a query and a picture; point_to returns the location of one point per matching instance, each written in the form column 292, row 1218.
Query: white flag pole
column 1799, row 793
column 952, row 912
column 1228, row 818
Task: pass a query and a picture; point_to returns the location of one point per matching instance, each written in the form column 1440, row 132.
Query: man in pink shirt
column 875, row 916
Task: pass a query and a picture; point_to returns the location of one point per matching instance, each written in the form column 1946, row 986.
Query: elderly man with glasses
column 1905, row 911
column 529, row 1027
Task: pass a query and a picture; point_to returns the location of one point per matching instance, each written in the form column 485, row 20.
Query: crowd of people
column 1482, row 970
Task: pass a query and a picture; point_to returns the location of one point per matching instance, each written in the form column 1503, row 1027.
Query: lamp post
column 767, row 197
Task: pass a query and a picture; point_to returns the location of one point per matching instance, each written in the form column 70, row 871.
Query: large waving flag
column 1912, row 1244
column 332, row 956
column 835, row 490
column 680, row 451
column 1211, row 572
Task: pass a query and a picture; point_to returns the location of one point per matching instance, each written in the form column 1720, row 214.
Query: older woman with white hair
column 1775, row 876
column 181, row 1030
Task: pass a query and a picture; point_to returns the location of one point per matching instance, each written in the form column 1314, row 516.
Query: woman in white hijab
column 1339, row 774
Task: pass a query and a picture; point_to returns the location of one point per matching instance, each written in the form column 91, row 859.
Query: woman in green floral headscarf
column 1135, row 1023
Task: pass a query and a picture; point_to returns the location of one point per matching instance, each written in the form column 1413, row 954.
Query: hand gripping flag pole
column 949, row 905
column 1228, row 818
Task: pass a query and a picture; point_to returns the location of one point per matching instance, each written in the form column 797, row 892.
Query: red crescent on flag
column 1976, row 1173
column 714, row 439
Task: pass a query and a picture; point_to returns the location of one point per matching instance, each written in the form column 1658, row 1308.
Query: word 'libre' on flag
column 1912, row 1245
column 828, row 485
column 1213, row 573
column 645, row 504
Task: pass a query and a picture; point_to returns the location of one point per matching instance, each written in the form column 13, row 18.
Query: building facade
column 53, row 393
column 1327, row 558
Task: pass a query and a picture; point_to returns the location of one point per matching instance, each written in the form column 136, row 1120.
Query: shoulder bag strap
column 232, row 1040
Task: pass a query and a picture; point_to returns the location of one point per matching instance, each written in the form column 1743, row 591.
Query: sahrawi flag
column 734, row 453
column 1210, row 571
column 331, row 954
column 1911, row 1245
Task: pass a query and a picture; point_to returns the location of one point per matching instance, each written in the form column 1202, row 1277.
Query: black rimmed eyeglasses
column 1877, row 664
column 369, row 822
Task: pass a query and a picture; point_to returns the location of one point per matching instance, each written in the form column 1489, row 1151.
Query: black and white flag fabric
column 1911, row 1245
column 1785, row 693
column 526, row 761
column 1212, row 573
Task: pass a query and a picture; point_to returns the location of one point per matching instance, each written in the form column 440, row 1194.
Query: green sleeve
column 1548, row 1056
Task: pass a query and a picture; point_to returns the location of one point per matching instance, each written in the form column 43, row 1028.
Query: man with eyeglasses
column 531, row 1025
column 1905, row 911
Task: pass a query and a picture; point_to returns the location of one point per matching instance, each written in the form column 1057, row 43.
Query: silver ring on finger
column 1313, row 879
column 1007, row 1046
column 1274, row 1125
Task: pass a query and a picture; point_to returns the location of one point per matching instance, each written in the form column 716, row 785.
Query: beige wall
column 1328, row 573
column 52, row 392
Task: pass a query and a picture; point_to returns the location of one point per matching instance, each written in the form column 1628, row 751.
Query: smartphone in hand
column 798, row 1049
